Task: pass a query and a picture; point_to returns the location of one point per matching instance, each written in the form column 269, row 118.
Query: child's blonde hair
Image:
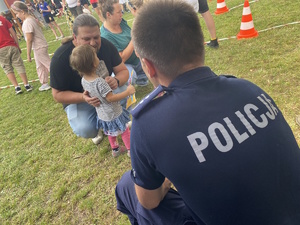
column 82, row 59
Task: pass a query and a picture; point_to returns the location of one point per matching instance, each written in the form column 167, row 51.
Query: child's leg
column 42, row 61
column 58, row 27
column 18, row 64
column 12, row 79
column 116, row 150
column 52, row 28
column 126, row 138
column 113, row 142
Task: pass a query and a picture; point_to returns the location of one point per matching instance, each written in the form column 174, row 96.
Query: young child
column 36, row 41
column 10, row 55
column 112, row 118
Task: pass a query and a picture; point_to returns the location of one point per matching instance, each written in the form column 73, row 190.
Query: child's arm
column 14, row 36
column 29, row 39
column 110, row 97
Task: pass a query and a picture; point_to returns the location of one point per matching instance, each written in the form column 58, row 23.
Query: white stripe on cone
column 247, row 25
column 246, row 11
column 221, row 5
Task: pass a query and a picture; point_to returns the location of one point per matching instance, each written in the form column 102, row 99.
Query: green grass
column 50, row 176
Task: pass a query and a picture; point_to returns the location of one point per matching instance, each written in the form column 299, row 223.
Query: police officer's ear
column 149, row 67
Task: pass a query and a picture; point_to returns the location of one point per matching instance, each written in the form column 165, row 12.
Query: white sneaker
column 44, row 87
column 97, row 140
column 60, row 37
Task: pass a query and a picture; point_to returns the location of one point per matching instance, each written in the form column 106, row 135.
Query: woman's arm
column 29, row 39
column 127, row 52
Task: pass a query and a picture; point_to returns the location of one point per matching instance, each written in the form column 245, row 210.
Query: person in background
column 203, row 9
column 66, row 83
column 85, row 4
column 10, row 55
column 210, row 23
column 95, row 5
column 234, row 159
column 36, row 41
column 123, row 6
column 59, row 7
column 74, row 7
column 33, row 9
column 116, row 30
column 112, row 117
column 46, row 11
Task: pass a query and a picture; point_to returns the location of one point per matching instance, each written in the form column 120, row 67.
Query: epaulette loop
column 144, row 102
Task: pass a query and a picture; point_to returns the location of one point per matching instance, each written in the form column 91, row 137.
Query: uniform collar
column 191, row 76
column 186, row 78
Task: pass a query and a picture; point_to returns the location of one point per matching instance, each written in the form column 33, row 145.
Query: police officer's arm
column 121, row 75
column 150, row 199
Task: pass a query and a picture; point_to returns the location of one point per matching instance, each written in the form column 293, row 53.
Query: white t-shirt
column 31, row 26
column 194, row 3
column 71, row 3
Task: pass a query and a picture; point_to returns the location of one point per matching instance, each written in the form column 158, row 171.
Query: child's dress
column 112, row 118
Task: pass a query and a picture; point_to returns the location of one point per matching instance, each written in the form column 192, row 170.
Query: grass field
column 50, row 176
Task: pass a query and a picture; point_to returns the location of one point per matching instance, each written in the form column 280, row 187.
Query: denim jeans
column 83, row 117
column 137, row 75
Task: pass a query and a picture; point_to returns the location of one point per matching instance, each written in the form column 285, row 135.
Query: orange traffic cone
column 247, row 27
column 221, row 7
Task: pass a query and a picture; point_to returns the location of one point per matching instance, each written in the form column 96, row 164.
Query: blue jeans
column 172, row 210
column 137, row 75
column 83, row 117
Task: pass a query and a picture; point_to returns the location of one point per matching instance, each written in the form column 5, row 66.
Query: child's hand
column 131, row 89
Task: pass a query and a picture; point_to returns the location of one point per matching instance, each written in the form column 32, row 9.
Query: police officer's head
column 168, row 34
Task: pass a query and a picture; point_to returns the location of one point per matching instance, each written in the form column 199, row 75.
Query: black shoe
column 28, row 87
column 18, row 90
column 213, row 43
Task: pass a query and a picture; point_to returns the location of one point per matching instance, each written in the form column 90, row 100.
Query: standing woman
column 36, row 41
column 59, row 7
column 97, row 9
column 46, row 10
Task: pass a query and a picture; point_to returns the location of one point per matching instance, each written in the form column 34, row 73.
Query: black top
column 64, row 78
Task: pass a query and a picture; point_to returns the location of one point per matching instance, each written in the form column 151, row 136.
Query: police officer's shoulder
column 149, row 99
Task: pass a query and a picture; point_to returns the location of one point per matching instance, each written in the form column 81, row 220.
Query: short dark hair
column 84, row 20
column 107, row 6
column 168, row 33
column 82, row 59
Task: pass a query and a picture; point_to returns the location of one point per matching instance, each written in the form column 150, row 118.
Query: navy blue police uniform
column 225, row 146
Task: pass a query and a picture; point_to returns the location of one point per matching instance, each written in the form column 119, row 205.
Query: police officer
column 221, row 141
